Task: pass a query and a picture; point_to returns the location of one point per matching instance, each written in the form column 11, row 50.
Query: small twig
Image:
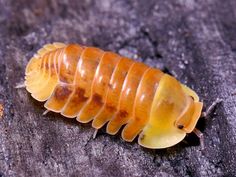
column 1, row 111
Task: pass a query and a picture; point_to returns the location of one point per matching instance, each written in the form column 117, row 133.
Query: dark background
column 195, row 40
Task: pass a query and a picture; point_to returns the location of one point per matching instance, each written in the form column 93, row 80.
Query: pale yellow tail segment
column 34, row 63
column 34, row 70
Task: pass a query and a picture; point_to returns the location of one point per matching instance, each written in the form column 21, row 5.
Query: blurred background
column 192, row 40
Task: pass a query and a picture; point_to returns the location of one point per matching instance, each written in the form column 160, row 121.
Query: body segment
column 90, row 84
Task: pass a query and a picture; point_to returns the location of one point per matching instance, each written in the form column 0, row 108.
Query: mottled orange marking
column 113, row 93
column 62, row 93
column 127, row 97
column 59, row 98
column 75, row 103
column 97, row 99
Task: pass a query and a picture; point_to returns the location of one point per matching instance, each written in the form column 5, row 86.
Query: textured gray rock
column 193, row 40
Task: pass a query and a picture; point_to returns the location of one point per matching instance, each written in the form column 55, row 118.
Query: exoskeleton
column 90, row 84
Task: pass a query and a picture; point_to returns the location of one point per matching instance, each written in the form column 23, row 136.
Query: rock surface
column 193, row 40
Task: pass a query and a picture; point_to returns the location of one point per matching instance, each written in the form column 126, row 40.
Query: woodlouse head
column 189, row 118
column 173, row 114
column 190, row 115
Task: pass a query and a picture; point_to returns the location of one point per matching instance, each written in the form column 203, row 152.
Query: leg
column 211, row 108
column 200, row 136
column 20, row 85
column 205, row 115
column 95, row 133
column 45, row 112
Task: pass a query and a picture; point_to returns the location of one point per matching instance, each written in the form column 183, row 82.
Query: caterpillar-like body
column 103, row 87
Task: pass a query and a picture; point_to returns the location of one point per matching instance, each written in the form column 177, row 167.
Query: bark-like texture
column 194, row 40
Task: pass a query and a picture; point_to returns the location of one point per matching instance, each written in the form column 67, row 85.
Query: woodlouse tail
column 41, row 72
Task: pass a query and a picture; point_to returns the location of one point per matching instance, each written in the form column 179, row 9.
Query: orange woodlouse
column 103, row 87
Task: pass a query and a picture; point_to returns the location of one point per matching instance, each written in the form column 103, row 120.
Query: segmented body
column 103, row 87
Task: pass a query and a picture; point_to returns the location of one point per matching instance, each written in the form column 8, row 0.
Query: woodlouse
column 103, row 87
